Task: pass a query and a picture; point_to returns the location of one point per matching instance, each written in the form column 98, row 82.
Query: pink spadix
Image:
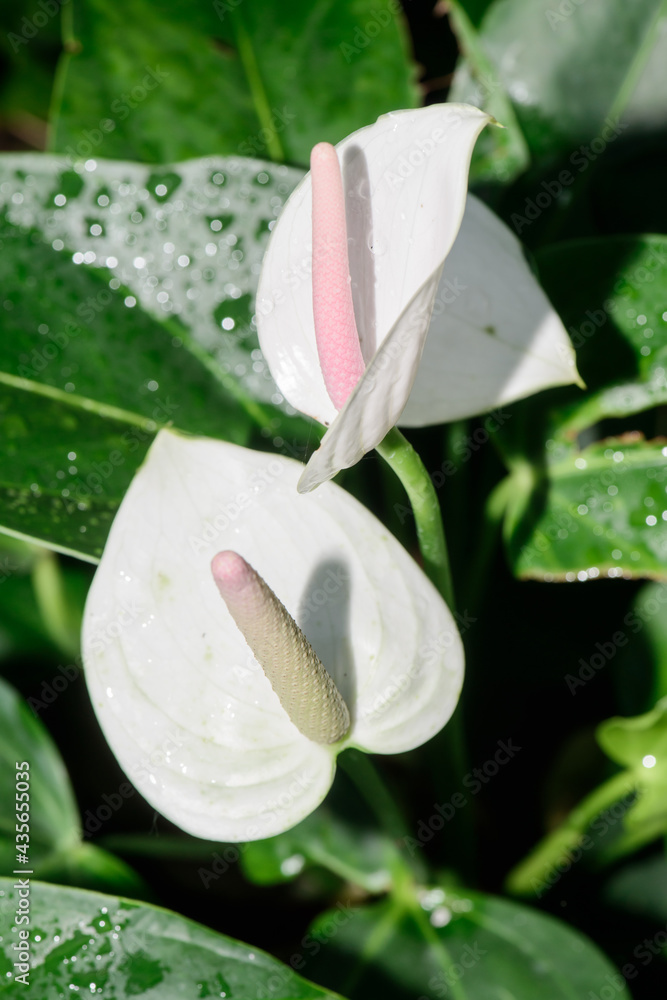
column 336, row 333
column 304, row 688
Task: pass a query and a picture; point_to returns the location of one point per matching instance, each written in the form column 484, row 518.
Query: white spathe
column 496, row 337
column 188, row 712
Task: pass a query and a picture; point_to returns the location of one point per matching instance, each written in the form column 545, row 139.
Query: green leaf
column 266, row 78
column 358, row 855
column 640, row 668
column 503, row 155
column 88, row 941
column 611, row 295
column 630, row 806
column 597, row 512
column 54, row 818
column 463, row 945
column 640, row 744
column 90, row 867
column 599, row 508
column 129, row 307
column 40, row 496
column 650, row 606
column 567, row 72
column 186, row 241
column 640, row 888
column 54, row 846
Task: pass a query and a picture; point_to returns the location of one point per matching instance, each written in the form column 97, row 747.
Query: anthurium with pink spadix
column 379, row 243
column 237, row 636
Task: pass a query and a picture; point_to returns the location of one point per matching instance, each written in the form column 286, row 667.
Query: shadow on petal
column 324, row 617
column 359, row 219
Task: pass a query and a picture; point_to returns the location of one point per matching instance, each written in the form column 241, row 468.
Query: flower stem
column 366, row 778
column 532, row 874
column 450, row 745
column 399, row 454
column 364, row 775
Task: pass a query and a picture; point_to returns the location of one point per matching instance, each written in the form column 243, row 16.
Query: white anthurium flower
column 354, row 272
column 228, row 714
column 494, row 336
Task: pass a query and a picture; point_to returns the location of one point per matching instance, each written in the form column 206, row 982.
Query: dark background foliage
column 525, row 636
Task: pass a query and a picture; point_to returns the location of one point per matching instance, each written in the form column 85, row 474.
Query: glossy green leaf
column 266, row 78
column 503, row 155
column 640, row 669
column 65, row 470
column 597, row 508
column 464, row 945
column 54, row 848
column 650, row 606
column 628, row 741
column 153, row 269
column 82, row 942
column 620, row 816
column 128, row 306
column 632, row 803
column 358, row 855
column 53, row 814
column 88, row 866
column 611, row 295
column 64, row 327
column 639, row 744
column 572, row 69
column 597, row 512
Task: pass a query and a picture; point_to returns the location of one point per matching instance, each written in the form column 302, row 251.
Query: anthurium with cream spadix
column 406, row 207
column 210, row 539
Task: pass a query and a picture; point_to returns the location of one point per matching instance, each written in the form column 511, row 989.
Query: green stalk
column 410, row 470
column 365, row 777
column 256, row 85
column 408, row 466
column 49, row 589
column 557, row 848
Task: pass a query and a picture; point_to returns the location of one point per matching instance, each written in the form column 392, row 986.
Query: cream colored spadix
column 305, row 689
column 408, row 215
column 185, row 706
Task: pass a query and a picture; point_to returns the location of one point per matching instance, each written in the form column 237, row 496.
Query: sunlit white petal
column 188, row 712
column 494, row 336
column 405, row 180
